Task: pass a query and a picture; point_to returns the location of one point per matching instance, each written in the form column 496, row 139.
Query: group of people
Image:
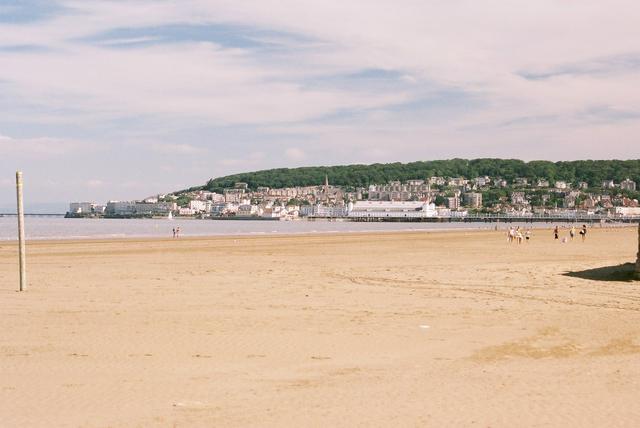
column 516, row 235
column 572, row 233
column 176, row 232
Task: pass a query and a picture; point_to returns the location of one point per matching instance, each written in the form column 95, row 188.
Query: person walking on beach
column 583, row 232
column 174, row 232
column 527, row 235
column 178, row 232
column 556, row 233
column 572, row 232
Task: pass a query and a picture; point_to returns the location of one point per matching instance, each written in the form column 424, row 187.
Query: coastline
column 303, row 228
column 275, row 235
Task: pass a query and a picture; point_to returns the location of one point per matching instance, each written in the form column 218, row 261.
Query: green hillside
column 591, row 171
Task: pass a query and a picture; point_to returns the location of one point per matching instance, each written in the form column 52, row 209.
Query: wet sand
column 401, row 329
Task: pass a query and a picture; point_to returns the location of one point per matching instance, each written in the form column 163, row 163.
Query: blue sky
column 124, row 99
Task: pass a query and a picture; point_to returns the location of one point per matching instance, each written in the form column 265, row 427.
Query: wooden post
column 23, row 266
column 638, row 259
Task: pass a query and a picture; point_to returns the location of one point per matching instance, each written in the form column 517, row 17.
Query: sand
column 396, row 329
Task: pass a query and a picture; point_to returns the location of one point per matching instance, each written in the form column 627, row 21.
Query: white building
column 320, row 210
column 158, row 208
column 628, row 184
column 247, row 210
column 627, row 211
column 201, row 206
column 186, row 211
column 482, row 181
column 518, row 198
column 81, row 207
column 132, row 208
column 437, row 181
column 391, row 209
column 121, row 208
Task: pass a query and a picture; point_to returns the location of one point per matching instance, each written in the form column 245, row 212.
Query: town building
column 561, row 185
column 520, row 182
column 518, row 198
column 628, row 185
column 199, row 206
column 473, row 200
column 453, row 202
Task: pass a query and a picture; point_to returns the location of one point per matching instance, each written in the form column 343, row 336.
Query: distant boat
column 170, row 216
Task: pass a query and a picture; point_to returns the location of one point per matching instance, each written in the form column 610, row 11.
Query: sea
column 55, row 228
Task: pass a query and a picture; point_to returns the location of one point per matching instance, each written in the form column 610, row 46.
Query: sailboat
column 170, row 216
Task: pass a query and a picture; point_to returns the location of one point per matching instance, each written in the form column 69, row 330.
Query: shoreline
column 222, row 236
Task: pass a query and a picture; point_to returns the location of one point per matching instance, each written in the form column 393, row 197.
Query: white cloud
column 295, row 154
column 42, row 146
column 176, row 149
column 543, row 79
column 95, row 183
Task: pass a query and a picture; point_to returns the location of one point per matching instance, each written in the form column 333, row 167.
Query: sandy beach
column 395, row 329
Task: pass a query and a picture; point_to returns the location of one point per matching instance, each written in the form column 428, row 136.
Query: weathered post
column 21, row 245
column 638, row 259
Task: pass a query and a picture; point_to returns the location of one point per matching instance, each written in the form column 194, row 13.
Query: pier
column 32, row 215
column 496, row 218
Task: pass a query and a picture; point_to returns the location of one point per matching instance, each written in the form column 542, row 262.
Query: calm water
column 61, row 228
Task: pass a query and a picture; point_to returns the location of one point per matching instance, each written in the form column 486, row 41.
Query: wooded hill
column 591, row 171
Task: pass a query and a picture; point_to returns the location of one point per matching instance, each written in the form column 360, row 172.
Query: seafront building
column 86, row 208
column 133, row 208
column 391, row 209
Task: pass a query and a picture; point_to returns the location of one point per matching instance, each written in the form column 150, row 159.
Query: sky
column 123, row 99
